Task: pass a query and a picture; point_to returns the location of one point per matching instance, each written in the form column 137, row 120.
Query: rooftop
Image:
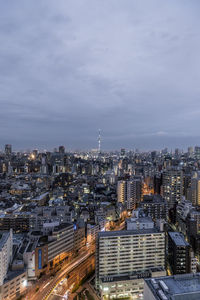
column 177, row 287
column 62, row 226
column 128, row 232
column 139, row 220
column 178, row 239
column 13, row 274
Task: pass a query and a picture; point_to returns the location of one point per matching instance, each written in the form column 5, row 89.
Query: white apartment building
column 6, row 244
column 14, row 285
column 124, row 258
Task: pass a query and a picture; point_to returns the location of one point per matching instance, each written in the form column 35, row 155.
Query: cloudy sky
column 70, row 67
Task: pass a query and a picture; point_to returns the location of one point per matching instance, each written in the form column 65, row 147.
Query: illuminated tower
column 99, row 141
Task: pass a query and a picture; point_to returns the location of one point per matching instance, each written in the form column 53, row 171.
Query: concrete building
column 8, row 150
column 179, row 253
column 92, row 232
column 79, row 238
column 139, row 221
column 6, row 244
column 195, row 190
column 121, row 191
column 61, row 242
column 177, row 287
column 155, row 206
column 124, row 258
column 172, row 185
column 14, row 285
column 130, row 192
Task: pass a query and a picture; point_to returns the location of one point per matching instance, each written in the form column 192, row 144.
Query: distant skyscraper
column 123, row 152
column 8, row 149
column 99, row 141
column 197, row 152
column 190, row 151
column 61, row 149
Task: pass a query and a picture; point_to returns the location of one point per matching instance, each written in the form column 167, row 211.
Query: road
column 120, row 227
column 58, row 293
column 46, row 284
column 47, row 291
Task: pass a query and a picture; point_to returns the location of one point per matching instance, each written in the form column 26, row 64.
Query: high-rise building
column 130, row 192
column 134, row 192
column 121, row 191
column 172, row 185
column 179, row 253
column 195, row 190
column 124, row 258
column 8, row 149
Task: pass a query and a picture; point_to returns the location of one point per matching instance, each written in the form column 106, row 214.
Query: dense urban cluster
column 131, row 217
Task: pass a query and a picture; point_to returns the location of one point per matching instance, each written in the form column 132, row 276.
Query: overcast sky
column 70, row 67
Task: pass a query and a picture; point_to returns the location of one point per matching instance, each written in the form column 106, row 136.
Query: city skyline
column 130, row 68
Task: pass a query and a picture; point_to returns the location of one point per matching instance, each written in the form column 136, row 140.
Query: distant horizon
column 84, row 149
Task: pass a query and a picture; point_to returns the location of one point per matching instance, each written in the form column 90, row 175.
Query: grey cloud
column 70, row 67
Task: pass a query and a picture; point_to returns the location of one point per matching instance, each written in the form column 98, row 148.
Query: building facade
column 123, row 258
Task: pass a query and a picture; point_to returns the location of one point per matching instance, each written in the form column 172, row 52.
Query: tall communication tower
column 99, row 141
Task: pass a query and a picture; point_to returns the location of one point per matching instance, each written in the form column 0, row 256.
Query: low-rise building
column 177, row 287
